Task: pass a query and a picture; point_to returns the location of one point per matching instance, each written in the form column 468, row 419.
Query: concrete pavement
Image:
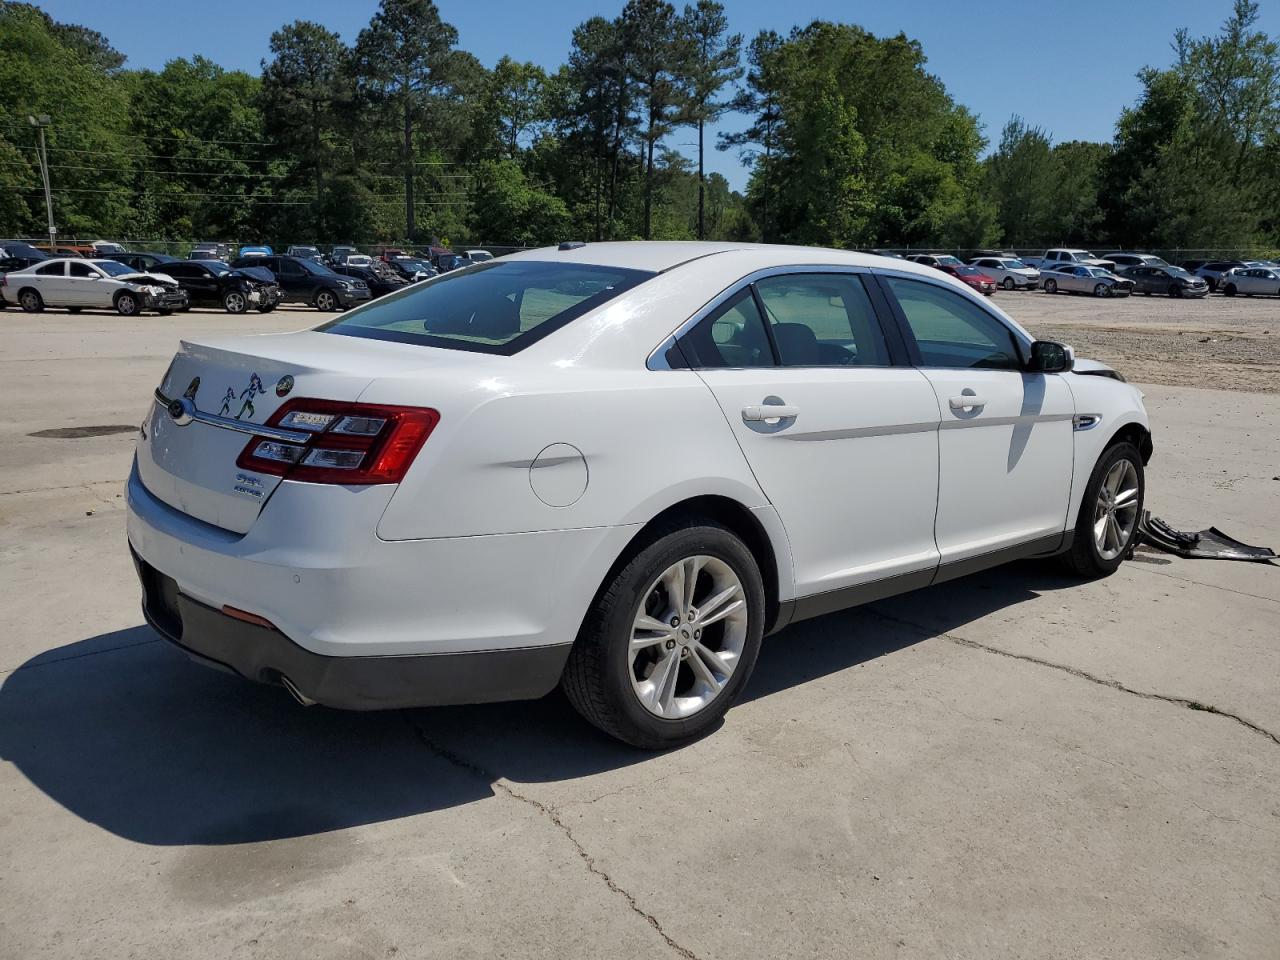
column 1012, row 764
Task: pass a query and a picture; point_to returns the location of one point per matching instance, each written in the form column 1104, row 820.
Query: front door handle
column 966, row 401
column 770, row 411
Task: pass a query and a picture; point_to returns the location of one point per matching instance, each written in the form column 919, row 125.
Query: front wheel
column 1102, row 290
column 1230, row 290
column 326, row 301
column 1008, row 283
column 235, row 302
column 1051, row 286
column 126, row 305
column 1108, row 522
column 1175, row 291
column 671, row 639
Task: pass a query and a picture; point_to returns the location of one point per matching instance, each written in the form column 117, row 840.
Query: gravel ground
column 1216, row 342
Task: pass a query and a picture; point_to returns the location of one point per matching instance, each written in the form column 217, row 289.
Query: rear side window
column 732, row 335
column 499, row 307
column 822, row 320
column 52, row 270
column 951, row 331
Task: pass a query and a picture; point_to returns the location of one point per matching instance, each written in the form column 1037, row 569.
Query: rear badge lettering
column 247, row 491
column 248, row 486
column 284, row 385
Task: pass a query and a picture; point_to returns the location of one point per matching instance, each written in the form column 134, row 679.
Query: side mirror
column 1050, row 357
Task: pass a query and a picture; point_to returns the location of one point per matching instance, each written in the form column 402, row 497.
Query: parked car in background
column 1123, row 260
column 1069, row 255
column 106, row 248
column 1165, row 279
column 1252, row 282
column 303, row 250
column 935, row 259
column 359, row 260
column 1212, row 271
column 16, row 255
column 1078, row 278
column 445, row 262
column 144, row 261
column 79, row 284
column 380, row 283
column 438, row 508
column 258, row 250
column 479, row 256
column 213, row 283
column 303, row 280
column 411, row 268
column 340, row 253
column 972, row 277
column 887, row 253
column 1009, row 272
column 211, row 251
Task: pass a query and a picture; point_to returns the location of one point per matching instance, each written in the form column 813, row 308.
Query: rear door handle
column 966, row 401
column 770, row 411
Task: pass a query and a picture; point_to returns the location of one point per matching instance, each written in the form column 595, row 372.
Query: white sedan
column 613, row 467
column 1251, row 281
column 1010, row 272
column 92, row 284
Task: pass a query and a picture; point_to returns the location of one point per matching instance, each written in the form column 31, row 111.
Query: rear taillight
column 353, row 443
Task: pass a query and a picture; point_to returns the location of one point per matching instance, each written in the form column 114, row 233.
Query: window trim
column 1021, row 342
column 899, row 355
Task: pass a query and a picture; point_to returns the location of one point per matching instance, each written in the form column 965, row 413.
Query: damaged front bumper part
column 1211, row 544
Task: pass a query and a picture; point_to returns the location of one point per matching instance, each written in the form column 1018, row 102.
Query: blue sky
column 1070, row 71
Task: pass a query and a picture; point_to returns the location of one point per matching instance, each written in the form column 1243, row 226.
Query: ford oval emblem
column 284, row 385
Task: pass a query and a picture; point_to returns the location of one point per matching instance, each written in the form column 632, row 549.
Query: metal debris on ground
column 1211, row 544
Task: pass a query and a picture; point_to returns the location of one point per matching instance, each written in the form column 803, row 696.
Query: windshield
column 411, row 264
column 1096, row 271
column 1013, row 265
column 967, row 271
column 113, row 268
column 1178, row 272
column 948, row 261
column 316, row 267
column 497, row 307
column 217, row 267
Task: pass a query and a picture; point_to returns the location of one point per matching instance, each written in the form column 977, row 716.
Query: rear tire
column 1107, row 526
column 30, row 301
column 676, row 686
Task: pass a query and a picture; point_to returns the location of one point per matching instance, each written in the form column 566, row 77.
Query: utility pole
column 40, row 123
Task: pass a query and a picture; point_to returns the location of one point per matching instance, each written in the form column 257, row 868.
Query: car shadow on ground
column 123, row 731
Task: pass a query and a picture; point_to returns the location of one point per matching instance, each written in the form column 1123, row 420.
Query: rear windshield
column 497, row 307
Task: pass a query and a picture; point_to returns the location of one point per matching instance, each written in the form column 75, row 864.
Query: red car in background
column 974, row 277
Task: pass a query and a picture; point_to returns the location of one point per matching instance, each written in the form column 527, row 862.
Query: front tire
column 670, row 639
column 1008, row 283
column 1051, row 286
column 235, row 302
column 1107, row 527
column 1102, row 290
column 325, row 301
column 127, row 305
column 1230, row 290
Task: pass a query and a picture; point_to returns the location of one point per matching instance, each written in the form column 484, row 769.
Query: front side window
column 81, row 270
column 497, row 307
column 822, row 320
column 951, row 331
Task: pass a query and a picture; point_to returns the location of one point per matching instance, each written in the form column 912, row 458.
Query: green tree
column 756, row 144
column 509, row 208
column 650, row 31
column 403, row 60
column 713, row 62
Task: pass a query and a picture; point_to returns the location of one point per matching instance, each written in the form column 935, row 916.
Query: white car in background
column 478, row 256
column 613, row 467
column 92, row 284
column 1009, row 272
column 1251, row 281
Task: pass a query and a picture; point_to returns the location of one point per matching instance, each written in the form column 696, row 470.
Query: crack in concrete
column 1212, row 586
column 549, row 813
column 1085, row 675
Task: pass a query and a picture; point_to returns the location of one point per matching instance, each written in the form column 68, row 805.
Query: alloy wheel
column 1115, row 515
column 1050, row 286
column 30, row 301
column 235, row 302
column 1102, row 290
column 325, row 301
column 687, row 637
column 127, row 306
column 1008, row 283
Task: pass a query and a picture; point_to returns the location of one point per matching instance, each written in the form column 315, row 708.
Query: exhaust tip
column 294, row 692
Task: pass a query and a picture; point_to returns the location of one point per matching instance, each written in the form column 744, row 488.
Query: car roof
column 660, row 255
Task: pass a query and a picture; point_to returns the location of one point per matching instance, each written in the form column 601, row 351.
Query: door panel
column 1006, row 439
column 853, row 474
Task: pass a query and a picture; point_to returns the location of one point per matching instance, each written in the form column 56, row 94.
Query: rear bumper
column 265, row 655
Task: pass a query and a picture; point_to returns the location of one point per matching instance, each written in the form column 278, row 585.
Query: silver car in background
column 1252, row 281
column 1082, row 279
column 1009, row 272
